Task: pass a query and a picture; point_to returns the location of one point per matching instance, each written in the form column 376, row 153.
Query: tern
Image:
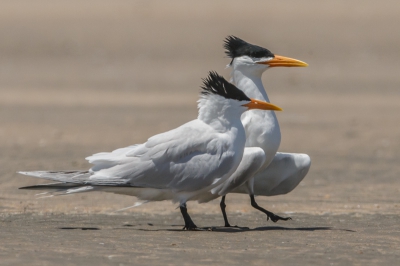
column 182, row 164
column 281, row 172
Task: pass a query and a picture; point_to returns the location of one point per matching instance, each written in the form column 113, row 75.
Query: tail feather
column 52, row 186
column 71, row 182
column 59, row 189
column 63, row 189
column 77, row 177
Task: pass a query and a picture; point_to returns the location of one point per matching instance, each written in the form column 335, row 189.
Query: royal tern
column 179, row 165
column 281, row 172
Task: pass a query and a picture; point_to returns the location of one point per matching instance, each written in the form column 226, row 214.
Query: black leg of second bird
column 189, row 224
column 270, row 215
column 223, row 206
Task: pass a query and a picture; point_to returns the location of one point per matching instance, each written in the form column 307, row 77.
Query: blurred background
column 80, row 77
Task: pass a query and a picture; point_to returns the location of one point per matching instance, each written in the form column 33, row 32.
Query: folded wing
column 184, row 159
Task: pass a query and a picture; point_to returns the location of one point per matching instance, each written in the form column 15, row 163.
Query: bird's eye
column 258, row 54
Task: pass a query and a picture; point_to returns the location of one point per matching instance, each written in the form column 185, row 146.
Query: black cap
column 236, row 47
column 216, row 84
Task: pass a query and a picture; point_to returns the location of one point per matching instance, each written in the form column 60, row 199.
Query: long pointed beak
column 256, row 104
column 282, row 61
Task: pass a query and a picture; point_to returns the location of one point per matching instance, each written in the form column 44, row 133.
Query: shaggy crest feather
column 216, row 84
column 235, row 47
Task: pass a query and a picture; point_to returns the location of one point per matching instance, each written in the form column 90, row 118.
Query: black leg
column 189, row 224
column 222, row 205
column 270, row 215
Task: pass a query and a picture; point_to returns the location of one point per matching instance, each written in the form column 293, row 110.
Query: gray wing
column 187, row 158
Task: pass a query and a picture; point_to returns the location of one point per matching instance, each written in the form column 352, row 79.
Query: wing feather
column 187, row 158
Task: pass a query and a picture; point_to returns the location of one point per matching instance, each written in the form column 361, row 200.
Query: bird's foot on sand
column 276, row 218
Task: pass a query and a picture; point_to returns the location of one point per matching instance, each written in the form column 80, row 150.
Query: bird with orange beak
column 182, row 164
column 280, row 172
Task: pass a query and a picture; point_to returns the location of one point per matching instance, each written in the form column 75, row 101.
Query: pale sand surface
column 79, row 78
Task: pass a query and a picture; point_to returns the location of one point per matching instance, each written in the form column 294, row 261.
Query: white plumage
column 282, row 172
column 182, row 164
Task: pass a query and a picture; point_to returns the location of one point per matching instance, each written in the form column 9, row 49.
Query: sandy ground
column 78, row 78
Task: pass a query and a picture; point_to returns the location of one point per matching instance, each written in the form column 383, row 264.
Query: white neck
column 250, row 83
column 257, row 123
column 219, row 112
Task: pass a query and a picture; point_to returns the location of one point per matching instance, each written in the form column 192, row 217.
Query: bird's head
column 221, row 92
column 255, row 58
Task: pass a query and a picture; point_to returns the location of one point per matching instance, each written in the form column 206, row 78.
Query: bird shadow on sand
column 277, row 228
column 79, row 228
column 246, row 229
column 218, row 229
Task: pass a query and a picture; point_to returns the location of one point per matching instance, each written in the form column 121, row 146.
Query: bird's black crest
column 216, row 84
column 236, row 47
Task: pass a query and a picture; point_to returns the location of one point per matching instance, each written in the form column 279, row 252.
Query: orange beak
column 282, row 61
column 256, row 104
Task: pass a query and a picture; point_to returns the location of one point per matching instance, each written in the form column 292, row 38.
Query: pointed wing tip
column 35, row 187
column 27, row 187
column 33, row 173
